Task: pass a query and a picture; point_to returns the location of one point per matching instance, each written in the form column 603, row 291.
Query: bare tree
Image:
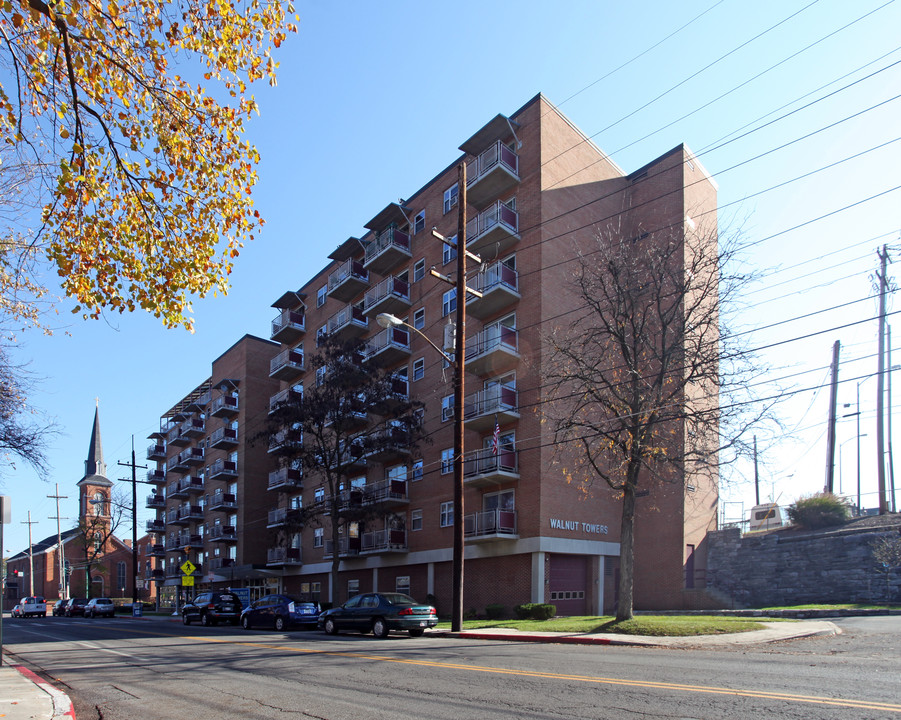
column 96, row 529
column 637, row 378
column 353, row 414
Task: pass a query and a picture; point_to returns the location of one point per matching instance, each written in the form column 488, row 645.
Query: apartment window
column 419, row 318
column 353, row 588
column 402, row 584
column 418, row 369
column 318, row 534
column 321, row 296
column 448, row 302
column 447, row 514
column 321, row 374
column 419, row 270
column 416, row 471
column 447, row 408
column 320, row 334
column 450, row 198
column 415, row 520
column 447, row 461
column 319, row 495
column 419, row 222
column 449, row 251
column 395, row 473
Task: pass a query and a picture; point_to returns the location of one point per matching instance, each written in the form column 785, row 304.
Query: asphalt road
column 123, row 669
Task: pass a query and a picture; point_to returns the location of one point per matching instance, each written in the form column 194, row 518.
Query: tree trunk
column 626, row 554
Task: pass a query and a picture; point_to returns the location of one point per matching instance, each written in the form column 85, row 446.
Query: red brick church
column 97, row 563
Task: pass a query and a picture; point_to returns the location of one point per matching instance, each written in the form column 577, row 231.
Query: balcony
column 283, row 556
column 348, row 281
column 391, row 295
column 386, row 251
column 156, row 502
column 175, row 438
column 388, row 442
column 224, row 437
column 222, row 533
column 497, row 404
column 158, row 574
column 286, row 478
column 287, row 365
column 189, row 513
column 499, row 286
column 352, row 458
column 156, row 477
column 398, row 394
column 157, row 451
column 192, row 428
column 347, row 323
column 492, row 351
column 386, row 493
column 347, row 547
column 283, row 516
column 288, row 396
column 175, row 491
column 288, row 326
column 156, row 526
column 224, row 406
column 222, row 469
column 190, row 457
column 389, row 347
column 222, row 502
column 174, row 517
column 492, row 173
column 490, row 525
column 493, row 231
column 158, row 550
column 383, row 541
column 191, row 485
column 483, row 468
column 219, row 563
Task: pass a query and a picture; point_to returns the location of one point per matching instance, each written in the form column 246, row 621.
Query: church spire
column 94, row 467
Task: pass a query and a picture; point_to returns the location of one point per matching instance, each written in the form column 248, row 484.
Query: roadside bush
column 819, row 510
column 495, row 611
column 535, row 611
column 470, row 614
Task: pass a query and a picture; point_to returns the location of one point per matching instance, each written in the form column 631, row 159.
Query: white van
column 32, row 606
column 768, row 517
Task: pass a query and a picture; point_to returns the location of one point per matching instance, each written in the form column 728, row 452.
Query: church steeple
column 94, row 467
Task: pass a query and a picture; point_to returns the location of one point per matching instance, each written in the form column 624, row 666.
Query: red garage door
column 569, row 584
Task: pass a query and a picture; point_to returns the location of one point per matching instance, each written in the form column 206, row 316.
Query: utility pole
column 134, row 523
column 830, row 436
column 891, row 460
column 880, row 382
column 29, row 523
column 459, row 357
column 63, row 589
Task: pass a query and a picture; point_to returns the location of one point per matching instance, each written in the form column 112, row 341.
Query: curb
column 62, row 704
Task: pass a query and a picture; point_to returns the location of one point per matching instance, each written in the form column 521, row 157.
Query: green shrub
column 535, row 611
column 470, row 614
column 819, row 510
column 495, row 611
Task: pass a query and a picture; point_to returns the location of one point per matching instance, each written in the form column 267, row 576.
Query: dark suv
column 211, row 608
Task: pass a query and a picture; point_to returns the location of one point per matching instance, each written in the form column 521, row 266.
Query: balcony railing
column 389, row 440
column 287, row 365
column 388, row 249
column 156, row 502
column 348, row 322
column 156, row 477
column 483, row 467
column 224, row 406
column 398, row 394
column 287, row 478
column 222, row 533
column 283, row 556
column 157, row 451
column 156, row 526
column 218, row 563
column 288, row 326
column 499, row 285
column 224, row 437
column 490, row 524
column 385, row 492
column 281, row 516
column 284, row 397
column 389, row 347
column 492, row 172
column 348, row 280
column 493, row 350
column 222, row 468
column 391, row 295
column 191, row 456
column 380, row 541
column 495, row 229
column 346, row 547
column 222, row 501
column 496, row 404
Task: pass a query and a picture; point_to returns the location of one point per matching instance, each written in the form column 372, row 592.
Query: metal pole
column 891, row 460
column 459, row 372
column 880, row 385
column 858, row 448
column 830, row 434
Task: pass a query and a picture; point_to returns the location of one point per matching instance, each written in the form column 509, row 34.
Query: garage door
column 569, row 584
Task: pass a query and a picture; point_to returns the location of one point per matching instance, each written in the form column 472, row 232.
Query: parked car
column 102, row 607
column 380, row 613
column 17, row 610
column 211, row 608
column 32, row 606
column 76, row 607
column 279, row 612
column 59, row 607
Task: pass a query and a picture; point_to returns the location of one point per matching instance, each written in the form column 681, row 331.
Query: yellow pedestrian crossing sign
column 187, row 567
column 187, row 580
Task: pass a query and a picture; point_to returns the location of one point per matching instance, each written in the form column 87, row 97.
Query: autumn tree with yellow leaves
column 650, row 384
column 122, row 132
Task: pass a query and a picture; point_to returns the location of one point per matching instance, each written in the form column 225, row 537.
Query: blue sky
column 374, row 99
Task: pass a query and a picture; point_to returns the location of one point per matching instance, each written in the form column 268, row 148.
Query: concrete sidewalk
column 774, row 631
column 24, row 695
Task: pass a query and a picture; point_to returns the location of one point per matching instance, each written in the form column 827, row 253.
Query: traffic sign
column 187, row 567
column 187, row 580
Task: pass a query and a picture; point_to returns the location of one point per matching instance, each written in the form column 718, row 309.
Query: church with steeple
column 88, row 560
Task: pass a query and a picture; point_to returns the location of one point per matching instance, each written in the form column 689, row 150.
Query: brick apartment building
column 537, row 190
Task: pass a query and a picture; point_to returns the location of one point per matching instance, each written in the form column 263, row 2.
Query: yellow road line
column 709, row 690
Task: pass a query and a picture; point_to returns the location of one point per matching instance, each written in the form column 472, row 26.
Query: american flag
column 496, row 438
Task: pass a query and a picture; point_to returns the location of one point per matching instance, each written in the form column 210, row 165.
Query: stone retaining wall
column 792, row 567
